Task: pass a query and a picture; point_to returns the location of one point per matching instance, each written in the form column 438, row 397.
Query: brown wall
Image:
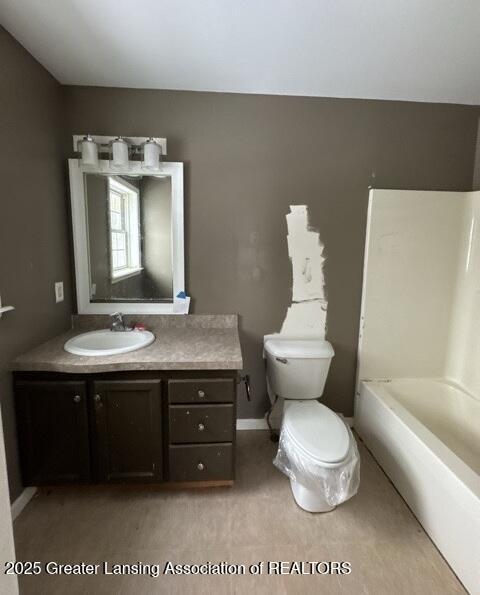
column 248, row 158
column 34, row 243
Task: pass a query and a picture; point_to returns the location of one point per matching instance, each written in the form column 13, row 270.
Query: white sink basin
column 108, row 342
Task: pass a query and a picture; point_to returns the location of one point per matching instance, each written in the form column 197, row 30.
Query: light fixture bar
column 135, row 142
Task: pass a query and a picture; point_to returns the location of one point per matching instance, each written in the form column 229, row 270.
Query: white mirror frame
column 80, row 237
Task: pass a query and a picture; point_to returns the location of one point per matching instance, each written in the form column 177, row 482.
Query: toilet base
column 309, row 500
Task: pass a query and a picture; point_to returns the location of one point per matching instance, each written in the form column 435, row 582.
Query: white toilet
column 297, row 370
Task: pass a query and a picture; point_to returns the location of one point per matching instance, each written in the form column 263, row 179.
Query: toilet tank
column 297, row 368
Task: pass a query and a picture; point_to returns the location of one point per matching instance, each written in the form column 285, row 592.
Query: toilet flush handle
column 282, row 360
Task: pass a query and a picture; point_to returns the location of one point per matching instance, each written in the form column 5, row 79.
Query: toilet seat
column 317, row 431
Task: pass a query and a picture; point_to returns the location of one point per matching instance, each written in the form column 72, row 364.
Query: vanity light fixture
column 89, row 150
column 119, row 150
column 152, row 154
column 122, row 152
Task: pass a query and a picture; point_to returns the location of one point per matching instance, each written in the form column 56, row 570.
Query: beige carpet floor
column 256, row 520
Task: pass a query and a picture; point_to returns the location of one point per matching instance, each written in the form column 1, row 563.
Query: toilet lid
column 317, row 430
column 299, row 348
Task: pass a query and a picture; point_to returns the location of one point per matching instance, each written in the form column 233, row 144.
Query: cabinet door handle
column 201, row 394
column 97, row 398
column 77, row 399
column 200, row 466
column 201, row 427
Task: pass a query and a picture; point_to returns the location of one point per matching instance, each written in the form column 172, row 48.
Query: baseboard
column 19, row 504
column 252, row 424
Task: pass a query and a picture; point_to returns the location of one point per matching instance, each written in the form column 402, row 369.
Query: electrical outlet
column 59, row 292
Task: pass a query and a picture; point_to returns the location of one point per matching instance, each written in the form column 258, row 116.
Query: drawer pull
column 97, row 398
column 201, row 427
column 201, row 394
column 77, row 399
column 200, row 466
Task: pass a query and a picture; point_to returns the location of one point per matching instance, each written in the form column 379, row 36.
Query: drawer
column 205, row 462
column 201, row 423
column 211, row 390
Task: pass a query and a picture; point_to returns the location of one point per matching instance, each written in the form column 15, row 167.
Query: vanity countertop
column 191, row 342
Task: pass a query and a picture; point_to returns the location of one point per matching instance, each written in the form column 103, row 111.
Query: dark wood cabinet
column 126, row 427
column 53, row 432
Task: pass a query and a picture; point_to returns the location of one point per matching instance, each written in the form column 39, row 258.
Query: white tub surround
column 418, row 392
column 411, row 260
column 421, row 287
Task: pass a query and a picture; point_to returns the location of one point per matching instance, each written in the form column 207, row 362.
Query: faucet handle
column 117, row 318
column 117, row 322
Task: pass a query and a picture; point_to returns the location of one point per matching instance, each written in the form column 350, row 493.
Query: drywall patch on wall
column 308, row 313
column 307, row 316
column 306, row 252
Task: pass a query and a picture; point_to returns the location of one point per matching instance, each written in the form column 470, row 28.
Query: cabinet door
column 128, row 430
column 53, row 432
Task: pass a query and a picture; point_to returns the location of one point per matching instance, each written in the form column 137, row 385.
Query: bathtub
column 425, row 434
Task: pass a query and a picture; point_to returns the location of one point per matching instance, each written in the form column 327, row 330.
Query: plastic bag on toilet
column 337, row 484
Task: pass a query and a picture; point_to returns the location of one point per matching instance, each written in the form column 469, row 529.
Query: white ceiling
column 422, row 50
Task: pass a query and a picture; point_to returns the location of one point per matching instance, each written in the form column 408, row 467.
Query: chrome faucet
column 118, row 324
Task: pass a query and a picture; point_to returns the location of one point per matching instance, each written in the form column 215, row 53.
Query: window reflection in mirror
column 130, row 237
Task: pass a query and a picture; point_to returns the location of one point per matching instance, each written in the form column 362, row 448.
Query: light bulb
column 119, row 153
column 151, row 154
column 89, row 151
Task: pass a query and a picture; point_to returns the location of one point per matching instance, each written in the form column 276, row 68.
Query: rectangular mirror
column 128, row 237
column 129, row 222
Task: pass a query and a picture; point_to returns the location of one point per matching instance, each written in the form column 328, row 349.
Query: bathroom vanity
column 163, row 414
